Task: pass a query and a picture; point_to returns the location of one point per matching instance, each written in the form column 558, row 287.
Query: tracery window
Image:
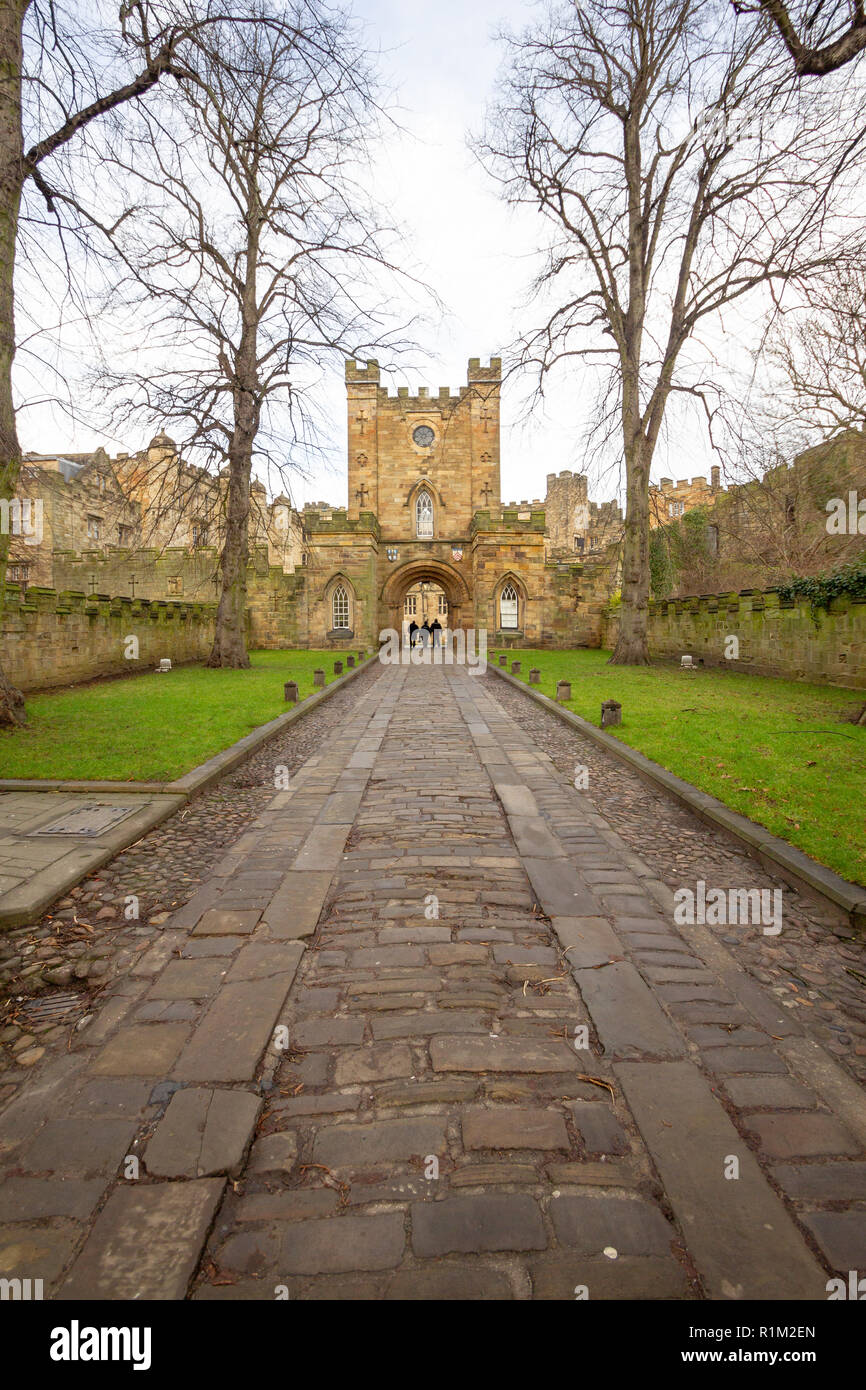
column 424, row 516
column 508, row 607
column 340, row 607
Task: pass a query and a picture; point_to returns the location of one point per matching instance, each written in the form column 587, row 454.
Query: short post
column 290, row 692
column 350, row 661
column 338, row 668
column 503, row 659
column 515, row 668
column 535, row 676
column 318, row 676
column 611, row 713
column 360, row 656
column 563, row 692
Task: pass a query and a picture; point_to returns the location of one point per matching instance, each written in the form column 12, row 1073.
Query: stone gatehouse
column 424, row 509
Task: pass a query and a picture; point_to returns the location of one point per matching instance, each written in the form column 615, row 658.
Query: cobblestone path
column 428, row 1031
column 85, row 937
column 816, row 966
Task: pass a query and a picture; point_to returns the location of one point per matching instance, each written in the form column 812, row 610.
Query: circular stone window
column 423, row 436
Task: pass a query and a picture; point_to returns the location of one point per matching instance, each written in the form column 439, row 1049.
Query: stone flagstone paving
column 428, row 1031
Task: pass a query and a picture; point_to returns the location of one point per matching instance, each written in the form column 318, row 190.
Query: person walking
column 424, row 631
column 413, row 633
column 436, row 632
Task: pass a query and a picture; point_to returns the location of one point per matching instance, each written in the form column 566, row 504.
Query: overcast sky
column 476, row 253
column 441, row 61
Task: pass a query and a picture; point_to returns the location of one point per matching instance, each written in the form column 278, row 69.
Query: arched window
column 340, row 607
column 508, row 607
column 424, row 515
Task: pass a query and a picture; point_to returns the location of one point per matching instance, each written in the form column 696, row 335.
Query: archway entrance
column 425, row 602
column 431, row 589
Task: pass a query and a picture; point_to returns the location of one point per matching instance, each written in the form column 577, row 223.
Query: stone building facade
column 424, row 509
column 424, row 517
column 145, row 525
column 800, row 518
column 670, row 500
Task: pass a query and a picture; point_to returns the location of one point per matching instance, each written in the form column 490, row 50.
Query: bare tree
column 63, row 73
column 680, row 168
column 819, row 352
column 820, row 38
column 254, row 263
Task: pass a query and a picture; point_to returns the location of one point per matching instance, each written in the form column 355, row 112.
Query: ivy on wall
column 820, row 589
column 679, row 548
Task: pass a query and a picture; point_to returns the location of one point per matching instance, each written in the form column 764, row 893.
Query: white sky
column 476, row 253
column 442, row 61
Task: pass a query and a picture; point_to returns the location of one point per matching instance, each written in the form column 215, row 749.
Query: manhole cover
column 53, row 1008
column 92, row 819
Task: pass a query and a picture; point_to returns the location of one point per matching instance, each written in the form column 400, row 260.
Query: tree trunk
column 631, row 646
column 229, row 644
column 11, row 153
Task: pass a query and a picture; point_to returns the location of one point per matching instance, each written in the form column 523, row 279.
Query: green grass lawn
column 780, row 752
column 153, row 728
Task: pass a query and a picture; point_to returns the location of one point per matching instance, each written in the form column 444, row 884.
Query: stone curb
column 27, row 904
column 198, row 778
column 202, row 776
column 775, row 854
column 51, row 784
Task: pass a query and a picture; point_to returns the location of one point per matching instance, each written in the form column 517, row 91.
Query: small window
column 94, row 524
column 19, row 574
column 424, row 516
column 175, row 584
column 508, row 607
column 410, row 606
column 578, row 542
column 443, row 605
column 124, row 535
column 199, row 533
column 340, row 607
column 676, row 508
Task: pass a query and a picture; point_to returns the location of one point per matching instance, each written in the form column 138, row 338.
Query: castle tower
column 446, row 445
column 567, row 510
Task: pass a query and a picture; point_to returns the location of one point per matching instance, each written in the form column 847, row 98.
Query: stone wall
column 173, row 573
column 776, row 637
column 54, row 639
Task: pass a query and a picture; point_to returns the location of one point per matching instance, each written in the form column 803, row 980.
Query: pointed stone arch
column 449, row 579
column 509, row 605
column 437, row 508
column 339, row 597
